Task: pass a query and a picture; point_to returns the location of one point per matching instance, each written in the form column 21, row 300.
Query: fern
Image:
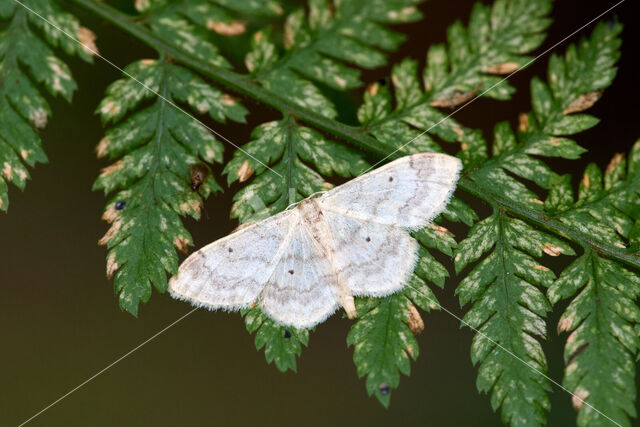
column 302, row 59
column 603, row 316
column 26, row 62
column 158, row 144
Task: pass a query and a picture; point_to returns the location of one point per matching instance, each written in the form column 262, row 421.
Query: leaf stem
column 245, row 85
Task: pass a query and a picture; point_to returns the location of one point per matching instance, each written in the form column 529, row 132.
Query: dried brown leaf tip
column 228, row 100
column 373, row 88
column 615, row 160
column 198, row 173
column 523, row 122
column 565, row 324
column 101, row 148
column 112, row 168
column 540, row 267
column 112, row 265
column 182, row 243
column 442, row 231
column 244, row 171
column 454, row 99
column 552, row 250
column 578, row 398
column 113, row 230
column 416, row 324
column 504, row 68
column 232, row 28
column 110, row 214
column 87, row 38
column 583, row 102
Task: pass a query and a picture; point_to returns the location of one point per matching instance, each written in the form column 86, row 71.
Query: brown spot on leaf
column 583, row 102
column 372, row 89
column 24, row 154
column 182, row 243
column 148, row 62
column 504, row 68
column 111, row 168
column 586, row 181
column 552, row 250
column 523, row 122
column 244, row 171
column 578, row 398
column 258, row 36
column 38, row 118
column 540, row 267
column 571, row 337
column 232, row 28
column 113, row 230
column 576, row 353
column 464, row 146
column 112, row 265
column 88, row 40
column 101, row 148
column 538, row 201
column 565, row 324
column 615, row 160
column 416, row 324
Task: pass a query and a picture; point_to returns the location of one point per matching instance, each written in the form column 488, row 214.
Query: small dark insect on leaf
column 120, row 204
column 199, row 173
column 384, row 388
column 287, row 334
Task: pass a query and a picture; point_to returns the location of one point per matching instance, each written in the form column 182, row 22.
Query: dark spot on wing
column 390, row 178
column 230, row 250
column 290, row 271
column 287, row 334
column 368, row 239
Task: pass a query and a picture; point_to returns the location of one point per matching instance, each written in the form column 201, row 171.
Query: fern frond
column 322, row 44
column 281, row 344
column 508, row 309
column 27, row 61
column 289, row 150
column 495, row 42
column 156, row 145
column 508, row 306
column 603, row 315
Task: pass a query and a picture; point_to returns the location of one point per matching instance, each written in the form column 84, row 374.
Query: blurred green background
column 60, row 324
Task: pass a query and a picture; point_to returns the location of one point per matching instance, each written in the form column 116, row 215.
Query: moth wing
column 407, row 192
column 231, row 272
column 373, row 259
column 302, row 291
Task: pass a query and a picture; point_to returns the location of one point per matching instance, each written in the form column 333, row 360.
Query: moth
column 301, row 264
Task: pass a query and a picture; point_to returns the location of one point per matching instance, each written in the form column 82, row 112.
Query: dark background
column 60, row 324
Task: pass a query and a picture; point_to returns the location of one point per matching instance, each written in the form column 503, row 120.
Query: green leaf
column 603, row 318
column 322, row 46
column 281, row 344
column 508, row 311
column 383, row 337
column 289, row 151
column 151, row 181
column 27, row 61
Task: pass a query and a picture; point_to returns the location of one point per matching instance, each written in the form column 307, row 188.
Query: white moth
column 301, row 264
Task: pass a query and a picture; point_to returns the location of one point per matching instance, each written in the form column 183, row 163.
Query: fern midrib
column 16, row 27
column 354, row 135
